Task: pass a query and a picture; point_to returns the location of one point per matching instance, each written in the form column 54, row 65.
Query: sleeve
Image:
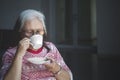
column 6, row 62
column 59, row 59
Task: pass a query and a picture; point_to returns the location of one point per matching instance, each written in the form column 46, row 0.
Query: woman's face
column 32, row 27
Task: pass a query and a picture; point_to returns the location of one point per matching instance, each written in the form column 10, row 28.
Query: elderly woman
column 17, row 64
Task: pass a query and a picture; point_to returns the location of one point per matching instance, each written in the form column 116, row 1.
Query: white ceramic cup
column 36, row 41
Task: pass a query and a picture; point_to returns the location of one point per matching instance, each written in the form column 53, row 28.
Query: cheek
column 42, row 33
column 23, row 36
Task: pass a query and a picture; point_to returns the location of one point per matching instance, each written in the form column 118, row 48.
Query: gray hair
column 28, row 15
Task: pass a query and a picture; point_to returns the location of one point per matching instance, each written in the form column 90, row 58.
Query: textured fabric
column 33, row 71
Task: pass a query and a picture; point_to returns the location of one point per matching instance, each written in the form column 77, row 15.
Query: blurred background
column 86, row 32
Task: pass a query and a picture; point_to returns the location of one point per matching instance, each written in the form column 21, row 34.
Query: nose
column 35, row 32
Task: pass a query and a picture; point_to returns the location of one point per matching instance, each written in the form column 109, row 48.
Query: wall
column 108, row 26
column 108, row 30
column 9, row 10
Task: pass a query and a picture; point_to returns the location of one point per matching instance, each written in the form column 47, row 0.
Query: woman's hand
column 57, row 70
column 23, row 46
column 52, row 66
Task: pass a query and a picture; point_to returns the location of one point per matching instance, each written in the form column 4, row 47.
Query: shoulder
column 50, row 45
column 11, row 50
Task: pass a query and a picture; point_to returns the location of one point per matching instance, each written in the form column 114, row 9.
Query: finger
column 48, row 65
column 51, row 59
column 24, row 42
column 26, row 39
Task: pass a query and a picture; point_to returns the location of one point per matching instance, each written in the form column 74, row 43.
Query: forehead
column 32, row 24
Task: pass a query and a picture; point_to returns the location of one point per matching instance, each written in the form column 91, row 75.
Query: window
column 75, row 22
